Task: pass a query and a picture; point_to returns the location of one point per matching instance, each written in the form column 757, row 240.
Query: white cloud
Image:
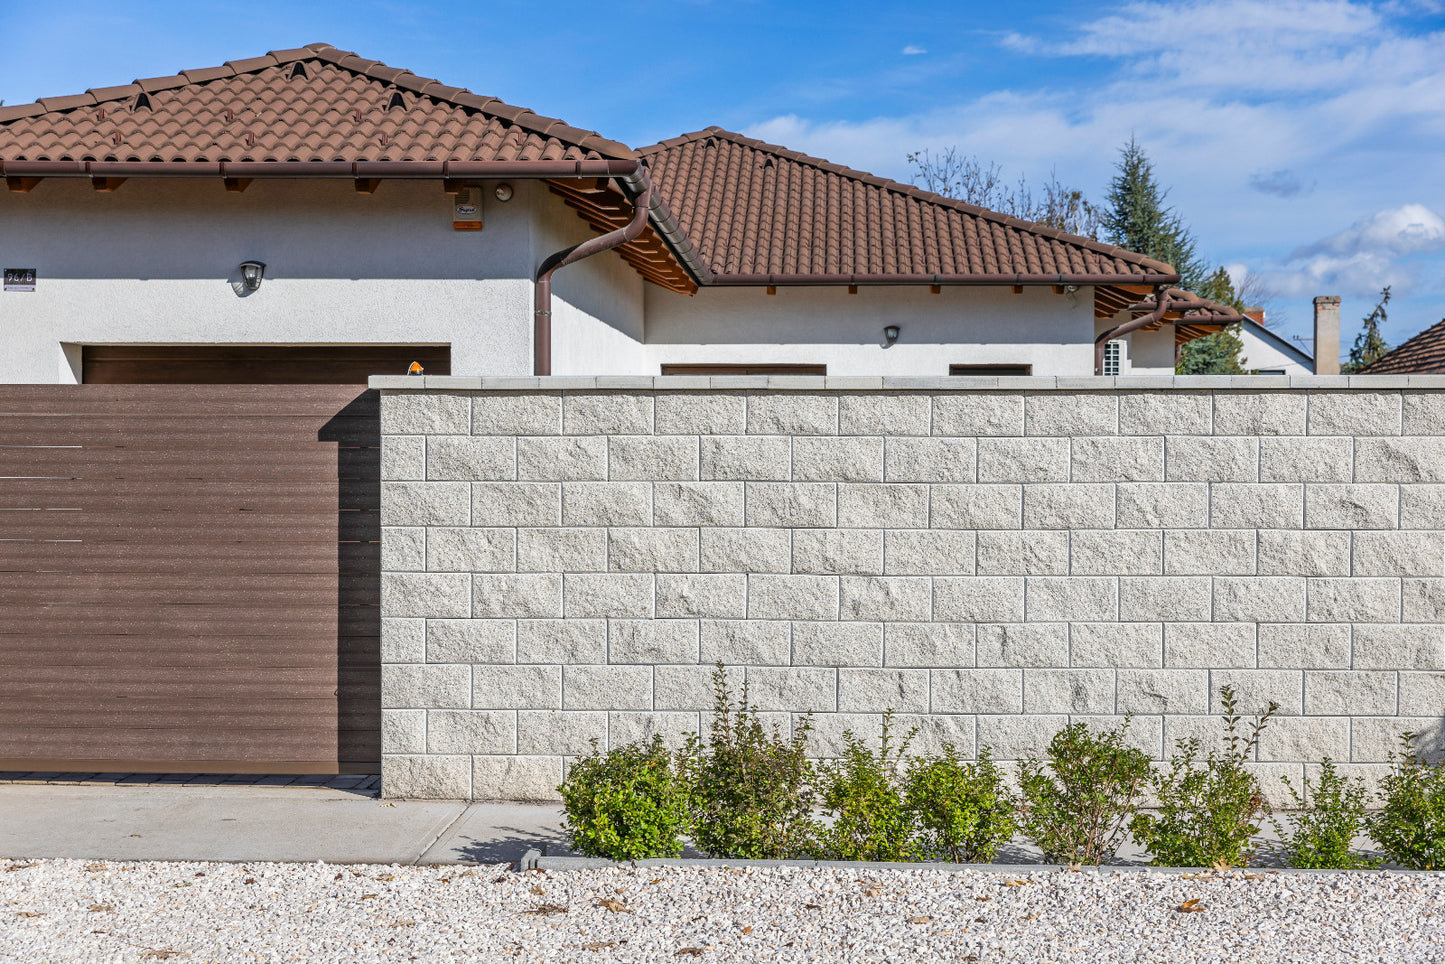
column 1272, row 123
column 913, row 50
column 1409, row 229
column 1378, row 250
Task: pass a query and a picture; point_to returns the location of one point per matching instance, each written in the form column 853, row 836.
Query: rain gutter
column 1161, row 305
column 542, row 289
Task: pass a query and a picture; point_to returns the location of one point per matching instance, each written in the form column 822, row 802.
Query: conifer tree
column 1136, row 218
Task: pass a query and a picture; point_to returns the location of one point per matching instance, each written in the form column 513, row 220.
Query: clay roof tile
column 756, row 210
column 263, row 108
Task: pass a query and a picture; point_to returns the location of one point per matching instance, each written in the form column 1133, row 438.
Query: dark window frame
column 723, row 368
column 988, row 370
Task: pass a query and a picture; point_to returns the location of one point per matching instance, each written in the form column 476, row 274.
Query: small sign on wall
column 19, row 279
column 467, row 209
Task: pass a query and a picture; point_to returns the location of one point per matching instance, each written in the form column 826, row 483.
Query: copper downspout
column 1161, row 305
column 542, row 313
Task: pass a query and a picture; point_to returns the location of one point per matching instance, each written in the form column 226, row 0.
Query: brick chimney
column 1327, row 335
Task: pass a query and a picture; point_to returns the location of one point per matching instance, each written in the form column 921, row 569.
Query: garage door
column 189, row 577
column 251, row 365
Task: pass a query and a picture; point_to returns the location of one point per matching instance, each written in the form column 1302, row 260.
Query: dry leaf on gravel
column 919, row 920
column 249, row 880
column 747, row 930
column 14, row 867
column 812, row 906
column 547, row 909
column 30, row 913
column 1191, row 906
column 983, row 898
column 872, row 889
column 93, row 868
column 616, row 906
column 598, row 945
column 538, row 889
column 1014, row 883
column 161, row 953
column 402, row 923
column 690, row 951
column 368, row 897
column 100, row 908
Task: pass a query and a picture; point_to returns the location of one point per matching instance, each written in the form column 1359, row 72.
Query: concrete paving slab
column 240, row 823
column 490, row 833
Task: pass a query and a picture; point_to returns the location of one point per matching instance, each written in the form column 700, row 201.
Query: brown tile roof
column 1422, row 355
column 762, row 214
column 313, row 104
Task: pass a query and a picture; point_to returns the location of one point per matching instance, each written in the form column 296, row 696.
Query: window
column 990, row 369
column 1113, row 357
column 744, row 369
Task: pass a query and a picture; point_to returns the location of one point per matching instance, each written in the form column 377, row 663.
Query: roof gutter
column 542, row 290
column 338, row 169
column 759, row 280
column 1161, row 306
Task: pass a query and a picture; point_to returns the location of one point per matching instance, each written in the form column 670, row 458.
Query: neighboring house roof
column 1277, row 342
column 1422, row 355
column 314, row 103
column 762, row 214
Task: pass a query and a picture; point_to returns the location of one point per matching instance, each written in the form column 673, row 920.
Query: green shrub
column 964, row 811
column 752, row 789
column 1410, row 827
column 864, row 794
column 1327, row 818
column 1075, row 809
column 1208, row 814
column 626, row 804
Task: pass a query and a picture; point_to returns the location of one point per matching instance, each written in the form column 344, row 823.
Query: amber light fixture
column 415, row 368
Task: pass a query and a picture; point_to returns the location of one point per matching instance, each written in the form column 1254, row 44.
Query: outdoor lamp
column 251, row 274
column 890, row 336
column 503, row 192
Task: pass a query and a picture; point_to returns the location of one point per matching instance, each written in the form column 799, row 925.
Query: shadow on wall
column 357, row 431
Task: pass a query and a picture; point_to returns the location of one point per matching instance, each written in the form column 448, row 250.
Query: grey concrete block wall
column 565, row 561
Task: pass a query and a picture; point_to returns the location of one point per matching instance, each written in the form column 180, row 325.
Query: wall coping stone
column 813, row 383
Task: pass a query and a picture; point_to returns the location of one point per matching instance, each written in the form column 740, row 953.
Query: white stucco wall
column 826, row 325
column 597, row 303
column 1263, row 352
column 151, row 264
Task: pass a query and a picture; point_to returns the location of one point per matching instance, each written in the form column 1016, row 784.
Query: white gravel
column 73, row 910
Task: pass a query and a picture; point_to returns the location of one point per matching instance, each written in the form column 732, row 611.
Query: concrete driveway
column 236, row 822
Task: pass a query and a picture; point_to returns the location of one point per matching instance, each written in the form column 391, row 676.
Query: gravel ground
column 72, row 910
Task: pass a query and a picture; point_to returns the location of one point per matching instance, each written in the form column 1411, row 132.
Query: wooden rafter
column 605, row 209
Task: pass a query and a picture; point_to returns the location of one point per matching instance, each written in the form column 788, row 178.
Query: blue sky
column 1302, row 140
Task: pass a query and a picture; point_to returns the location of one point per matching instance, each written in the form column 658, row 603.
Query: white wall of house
column 151, row 263
column 1267, row 351
column 154, row 262
column 597, row 303
column 826, row 325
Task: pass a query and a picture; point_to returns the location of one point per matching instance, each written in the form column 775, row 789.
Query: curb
column 534, row 860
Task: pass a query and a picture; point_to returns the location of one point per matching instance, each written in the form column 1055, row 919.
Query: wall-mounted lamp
column 503, row 193
column 252, row 274
column 890, row 336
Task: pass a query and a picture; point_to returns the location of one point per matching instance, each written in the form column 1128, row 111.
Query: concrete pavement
column 242, row 823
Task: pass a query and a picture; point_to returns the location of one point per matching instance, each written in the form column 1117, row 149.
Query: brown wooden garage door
column 254, row 365
column 189, row 578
